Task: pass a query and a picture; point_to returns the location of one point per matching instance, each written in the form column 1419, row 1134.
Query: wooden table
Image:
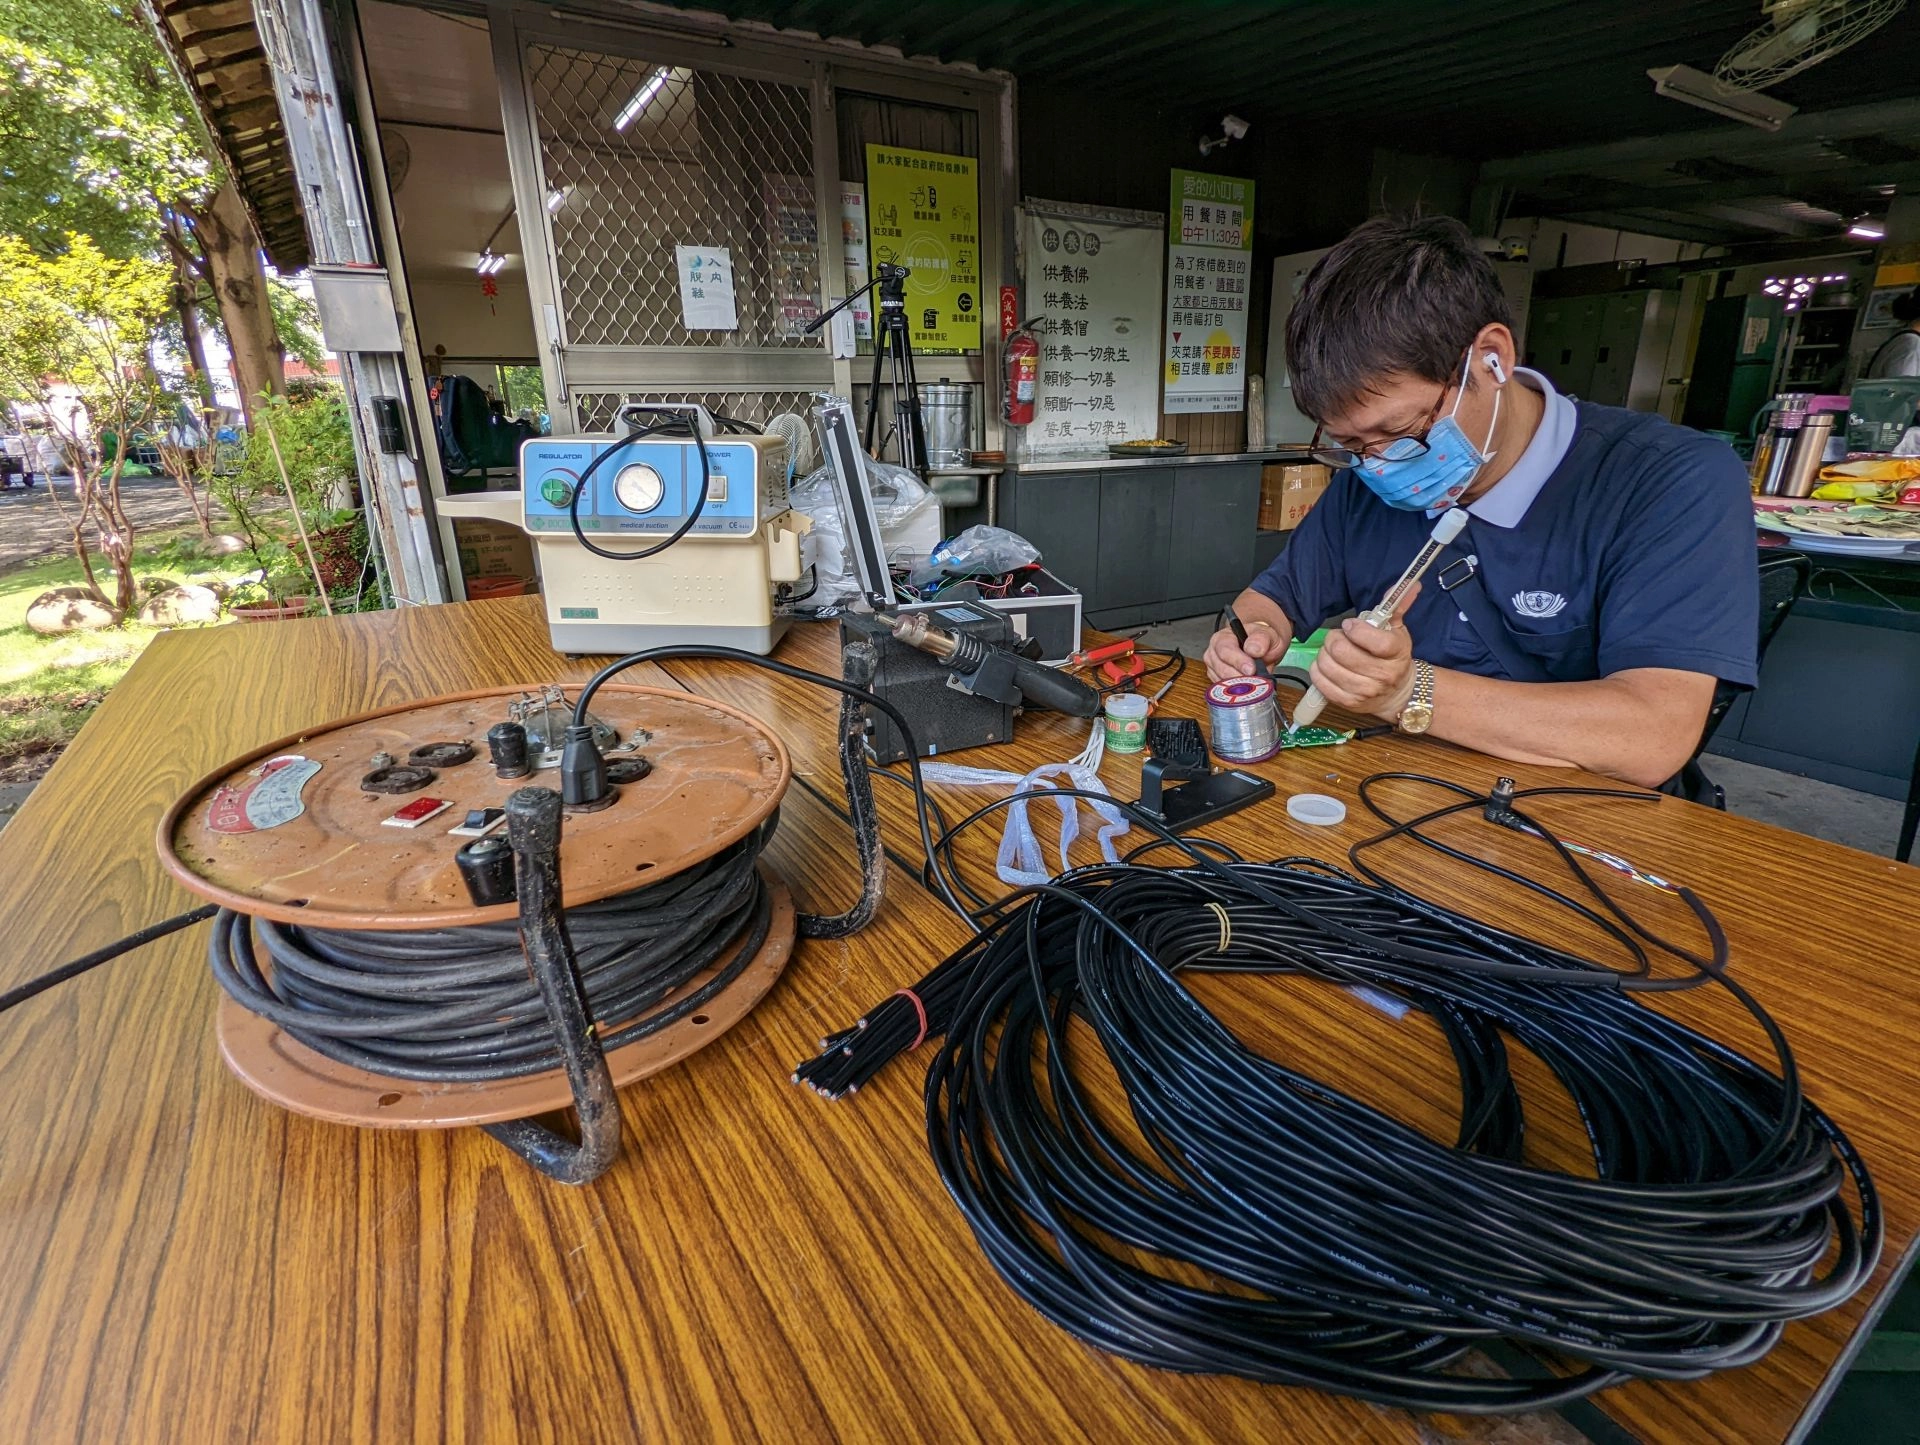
column 185, row 1262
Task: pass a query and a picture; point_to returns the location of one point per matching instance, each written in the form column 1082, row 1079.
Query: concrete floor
column 1800, row 805
column 33, row 524
column 12, row 795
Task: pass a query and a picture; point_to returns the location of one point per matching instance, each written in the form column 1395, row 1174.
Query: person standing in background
column 1899, row 354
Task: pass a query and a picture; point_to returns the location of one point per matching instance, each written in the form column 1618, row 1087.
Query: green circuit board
column 1315, row 737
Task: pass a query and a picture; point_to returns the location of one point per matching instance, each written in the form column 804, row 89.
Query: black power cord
column 1262, row 1223
column 235, row 964
column 579, row 736
column 150, row 934
column 679, row 426
column 458, row 1005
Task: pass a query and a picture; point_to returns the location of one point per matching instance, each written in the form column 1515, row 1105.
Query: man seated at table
column 1605, row 580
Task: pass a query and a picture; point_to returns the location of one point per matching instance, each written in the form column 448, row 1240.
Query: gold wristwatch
column 1417, row 715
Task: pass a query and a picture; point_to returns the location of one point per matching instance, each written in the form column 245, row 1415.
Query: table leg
column 1910, row 820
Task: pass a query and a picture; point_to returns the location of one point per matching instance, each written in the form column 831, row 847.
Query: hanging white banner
column 1093, row 287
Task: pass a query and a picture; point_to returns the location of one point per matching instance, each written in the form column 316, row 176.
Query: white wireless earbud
column 1499, row 371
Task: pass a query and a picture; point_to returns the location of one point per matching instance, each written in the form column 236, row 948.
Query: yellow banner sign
column 923, row 212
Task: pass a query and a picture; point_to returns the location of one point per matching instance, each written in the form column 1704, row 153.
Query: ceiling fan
column 1797, row 34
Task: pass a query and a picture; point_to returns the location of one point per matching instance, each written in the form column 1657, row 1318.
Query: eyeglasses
column 1397, row 449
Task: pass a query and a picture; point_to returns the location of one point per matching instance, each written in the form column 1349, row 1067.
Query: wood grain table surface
column 184, row 1262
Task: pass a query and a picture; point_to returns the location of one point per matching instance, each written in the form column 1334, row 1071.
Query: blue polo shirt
column 1627, row 542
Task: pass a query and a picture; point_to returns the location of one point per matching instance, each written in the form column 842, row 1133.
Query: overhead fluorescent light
column 490, row 263
column 1696, row 87
column 1865, row 228
column 630, row 112
column 556, row 198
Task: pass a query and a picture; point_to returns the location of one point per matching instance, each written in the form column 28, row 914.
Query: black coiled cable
column 458, row 1005
column 1335, row 1246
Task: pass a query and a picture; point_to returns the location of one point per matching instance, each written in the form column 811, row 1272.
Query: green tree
column 77, row 326
column 297, row 320
column 97, row 136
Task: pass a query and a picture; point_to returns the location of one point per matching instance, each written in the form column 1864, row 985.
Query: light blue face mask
column 1413, row 480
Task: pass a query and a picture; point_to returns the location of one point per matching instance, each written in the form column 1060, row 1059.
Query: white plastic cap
column 1127, row 705
column 1316, row 809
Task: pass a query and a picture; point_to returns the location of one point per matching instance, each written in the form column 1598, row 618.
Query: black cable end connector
column 583, row 772
column 1499, row 808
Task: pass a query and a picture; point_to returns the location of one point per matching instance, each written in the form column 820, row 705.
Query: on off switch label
column 268, row 796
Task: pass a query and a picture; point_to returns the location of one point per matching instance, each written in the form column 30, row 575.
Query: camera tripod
column 893, row 359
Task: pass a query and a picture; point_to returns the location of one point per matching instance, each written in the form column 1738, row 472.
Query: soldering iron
column 1452, row 522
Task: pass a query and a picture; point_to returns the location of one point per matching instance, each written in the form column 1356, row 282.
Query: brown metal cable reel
column 289, row 833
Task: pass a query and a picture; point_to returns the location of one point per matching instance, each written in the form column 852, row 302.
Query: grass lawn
column 49, row 685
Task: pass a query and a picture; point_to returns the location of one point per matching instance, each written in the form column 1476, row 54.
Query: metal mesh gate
column 596, row 410
column 640, row 156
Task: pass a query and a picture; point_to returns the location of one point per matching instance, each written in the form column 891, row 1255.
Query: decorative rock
column 69, row 609
column 181, row 607
column 224, row 545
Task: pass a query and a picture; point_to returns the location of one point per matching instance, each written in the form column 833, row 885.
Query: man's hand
column 1226, row 658
column 1366, row 669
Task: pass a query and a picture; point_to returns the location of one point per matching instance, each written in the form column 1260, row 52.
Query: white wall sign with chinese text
column 1093, row 285
column 706, row 288
column 1209, row 267
column 853, row 251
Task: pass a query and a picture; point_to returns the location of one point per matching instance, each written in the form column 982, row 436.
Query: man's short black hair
column 1905, row 308
column 1400, row 295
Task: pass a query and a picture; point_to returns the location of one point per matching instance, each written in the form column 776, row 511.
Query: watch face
column 1417, row 718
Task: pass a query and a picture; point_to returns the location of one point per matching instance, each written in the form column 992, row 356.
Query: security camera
column 1232, row 128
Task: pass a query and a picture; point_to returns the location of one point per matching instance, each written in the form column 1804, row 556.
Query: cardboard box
column 492, row 549
column 1287, row 493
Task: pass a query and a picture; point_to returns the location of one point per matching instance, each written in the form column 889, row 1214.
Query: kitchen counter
column 1099, row 461
column 1142, row 539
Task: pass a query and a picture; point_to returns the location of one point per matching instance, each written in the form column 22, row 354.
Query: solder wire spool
column 1245, row 719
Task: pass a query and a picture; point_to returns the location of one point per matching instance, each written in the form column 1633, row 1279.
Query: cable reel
column 371, row 942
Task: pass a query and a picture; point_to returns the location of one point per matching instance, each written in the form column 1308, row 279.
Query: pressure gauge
column 638, row 487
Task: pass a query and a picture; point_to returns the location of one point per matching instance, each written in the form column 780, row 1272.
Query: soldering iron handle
column 1048, row 687
column 1308, row 709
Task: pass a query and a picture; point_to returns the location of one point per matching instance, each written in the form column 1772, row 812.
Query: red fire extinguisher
column 1022, row 352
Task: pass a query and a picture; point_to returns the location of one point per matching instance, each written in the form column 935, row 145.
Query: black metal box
column 943, row 718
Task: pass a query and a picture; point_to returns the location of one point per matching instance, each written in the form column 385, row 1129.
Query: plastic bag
column 900, row 502
column 1021, row 860
column 983, row 550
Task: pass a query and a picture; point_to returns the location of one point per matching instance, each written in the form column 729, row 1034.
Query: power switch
column 717, row 487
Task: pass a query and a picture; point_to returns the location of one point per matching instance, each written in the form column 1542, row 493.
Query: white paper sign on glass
column 706, row 288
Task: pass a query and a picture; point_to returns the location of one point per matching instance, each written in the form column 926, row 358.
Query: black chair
column 1783, row 582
